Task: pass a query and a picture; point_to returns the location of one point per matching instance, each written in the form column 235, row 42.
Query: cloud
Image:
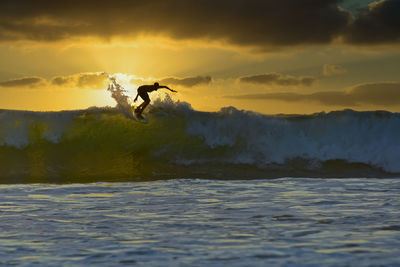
column 187, row 82
column 278, row 79
column 97, row 81
column 256, row 23
column 23, row 82
column 330, row 98
column 329, row 70
column 386, row 93
column 379, row 24
column 263, row 24
column 91, row 80
column 379, row 94
column 62, row 80
column 138, row 81
column 81, row 80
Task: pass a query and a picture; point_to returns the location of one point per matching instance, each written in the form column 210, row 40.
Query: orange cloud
column 329, row 70
column 82, row 80
column 279, row 79
column 97, row 81
column 23, row 82
column 379, row 94
column 187, row 82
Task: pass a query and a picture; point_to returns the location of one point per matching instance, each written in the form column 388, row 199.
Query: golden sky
column 287, row 56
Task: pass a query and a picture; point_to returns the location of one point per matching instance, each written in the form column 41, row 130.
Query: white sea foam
column 367, row 137
column 119, row 94
column 17, row 128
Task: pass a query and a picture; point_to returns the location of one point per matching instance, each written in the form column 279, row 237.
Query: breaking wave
column 105, row 144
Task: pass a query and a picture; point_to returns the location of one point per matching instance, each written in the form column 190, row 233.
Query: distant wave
column 102, row 144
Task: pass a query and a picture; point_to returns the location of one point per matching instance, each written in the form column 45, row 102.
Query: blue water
column 191, row 222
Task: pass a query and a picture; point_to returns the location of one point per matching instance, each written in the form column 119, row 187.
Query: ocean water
column 196, row 222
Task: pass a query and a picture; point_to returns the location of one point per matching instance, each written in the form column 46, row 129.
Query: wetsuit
column 144, row 90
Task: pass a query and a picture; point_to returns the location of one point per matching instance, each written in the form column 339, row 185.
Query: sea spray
column 118, row 93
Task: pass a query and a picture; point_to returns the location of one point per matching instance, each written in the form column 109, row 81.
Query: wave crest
column 103, row 144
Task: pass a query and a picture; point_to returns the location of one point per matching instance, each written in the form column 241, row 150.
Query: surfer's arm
column 166, row 87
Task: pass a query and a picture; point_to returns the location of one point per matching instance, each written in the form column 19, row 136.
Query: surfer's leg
column 143, row 106
column 145, row 97
column 137, row 110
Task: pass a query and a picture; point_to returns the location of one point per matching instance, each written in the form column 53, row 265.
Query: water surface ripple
column 190, row 222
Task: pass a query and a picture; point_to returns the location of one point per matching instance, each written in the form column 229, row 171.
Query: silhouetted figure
column 143, row 91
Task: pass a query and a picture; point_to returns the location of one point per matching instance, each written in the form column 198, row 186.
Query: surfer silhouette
column 143, row 91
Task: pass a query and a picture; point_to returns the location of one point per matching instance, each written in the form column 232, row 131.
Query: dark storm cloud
column 258, row 23
column 187, row 82
column 380, row 94
column 379, row 24
column 22, row 82
column 278, row 79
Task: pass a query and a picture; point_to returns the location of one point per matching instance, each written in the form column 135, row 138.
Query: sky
column 268, row 56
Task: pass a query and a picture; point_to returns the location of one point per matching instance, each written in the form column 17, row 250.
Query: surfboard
column 140, row 118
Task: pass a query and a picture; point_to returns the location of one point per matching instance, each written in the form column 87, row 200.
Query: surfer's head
column 156, row 84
